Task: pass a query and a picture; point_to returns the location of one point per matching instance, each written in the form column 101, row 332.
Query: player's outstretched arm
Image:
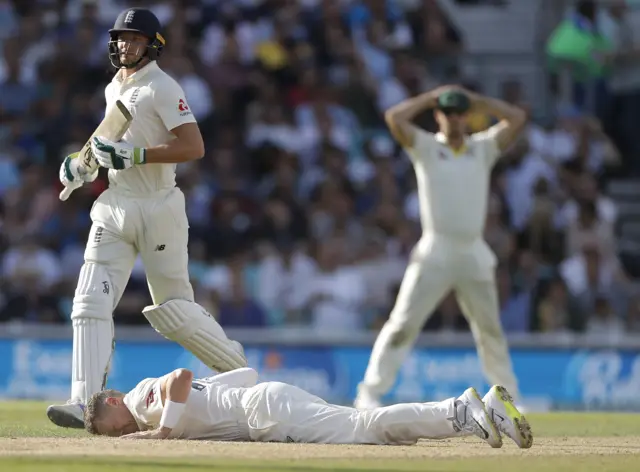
column 512, row 118
column 398, row 117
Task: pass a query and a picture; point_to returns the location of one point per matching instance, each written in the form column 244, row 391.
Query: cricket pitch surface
column 567, row 442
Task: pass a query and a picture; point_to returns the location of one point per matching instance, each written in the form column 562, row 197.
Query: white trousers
column 156, row 228
column 279, row 412
column 439, row 265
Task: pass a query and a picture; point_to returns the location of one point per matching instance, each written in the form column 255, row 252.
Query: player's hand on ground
column 116, row 155
column 160, row 433
column 72, row 174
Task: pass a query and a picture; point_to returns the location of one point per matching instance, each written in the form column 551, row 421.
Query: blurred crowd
column 303, row 211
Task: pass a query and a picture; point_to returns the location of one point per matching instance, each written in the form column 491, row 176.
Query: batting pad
column 93, row 332
column 191, row 326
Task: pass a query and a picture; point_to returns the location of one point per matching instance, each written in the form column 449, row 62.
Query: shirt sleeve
column 489, row 144
column 423, row 144
column 145, row 403
column 244, row 377
column 171, row 104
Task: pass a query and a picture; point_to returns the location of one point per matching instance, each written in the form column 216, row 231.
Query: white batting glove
column 72, row 174
column 117, row 155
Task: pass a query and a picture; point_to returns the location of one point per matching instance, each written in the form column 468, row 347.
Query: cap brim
column 458, row 110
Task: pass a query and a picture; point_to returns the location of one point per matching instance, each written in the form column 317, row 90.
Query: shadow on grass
column 224, row 466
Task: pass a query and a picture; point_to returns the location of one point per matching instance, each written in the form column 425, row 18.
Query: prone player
column 232, row 407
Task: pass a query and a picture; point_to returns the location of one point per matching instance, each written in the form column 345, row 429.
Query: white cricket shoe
column 366, row 401
column 507, row 418
column 69, row 415
column 472, row 417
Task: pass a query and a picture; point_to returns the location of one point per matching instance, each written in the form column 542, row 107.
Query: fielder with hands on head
column 453, row 172
column 234, row 407
column 142, row 212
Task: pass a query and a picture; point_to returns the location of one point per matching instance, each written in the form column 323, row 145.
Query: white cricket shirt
column 213, row 410
column 453, row 187
column 158, row 105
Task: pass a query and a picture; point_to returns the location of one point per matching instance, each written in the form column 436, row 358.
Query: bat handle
column 66, row 192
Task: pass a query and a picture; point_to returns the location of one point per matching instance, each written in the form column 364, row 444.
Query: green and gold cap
column 454, row 101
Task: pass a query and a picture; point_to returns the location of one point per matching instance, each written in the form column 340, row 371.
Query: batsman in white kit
column 453, row 175
column 141, row 213
column 233, row 407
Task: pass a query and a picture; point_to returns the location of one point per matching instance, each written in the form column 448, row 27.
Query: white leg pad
column 93, row 332
column 191, row 326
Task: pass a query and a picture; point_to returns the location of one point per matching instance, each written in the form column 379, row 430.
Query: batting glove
column 116, row 155
column 72, row 174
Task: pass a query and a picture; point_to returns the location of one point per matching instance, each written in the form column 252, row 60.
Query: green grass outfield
column 585, row 442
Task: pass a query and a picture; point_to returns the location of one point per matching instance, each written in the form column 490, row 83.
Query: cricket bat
column 114, row 125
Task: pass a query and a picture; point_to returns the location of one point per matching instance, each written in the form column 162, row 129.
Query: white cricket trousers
column 154, row 226
column 440, row 264
column 279, row 412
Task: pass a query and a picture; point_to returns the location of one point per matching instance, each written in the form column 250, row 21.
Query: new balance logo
column 160, row 247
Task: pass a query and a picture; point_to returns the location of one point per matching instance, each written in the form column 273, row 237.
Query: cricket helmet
column 138, row 20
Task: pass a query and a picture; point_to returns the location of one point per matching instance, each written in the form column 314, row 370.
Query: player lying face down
column 233, row 407
column 109, row 412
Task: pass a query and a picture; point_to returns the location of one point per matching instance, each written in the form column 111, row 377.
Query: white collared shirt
column 213, row 409
column 453, row 187
column 158, row 105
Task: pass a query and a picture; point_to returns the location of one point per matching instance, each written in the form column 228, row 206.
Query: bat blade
column 113, row 127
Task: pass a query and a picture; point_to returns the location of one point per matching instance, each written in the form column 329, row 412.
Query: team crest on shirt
column 183, row 108
column 150, row 398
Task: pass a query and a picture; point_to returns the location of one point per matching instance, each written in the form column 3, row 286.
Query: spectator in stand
column 303, row 211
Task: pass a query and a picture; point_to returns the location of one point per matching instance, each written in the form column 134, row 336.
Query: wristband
column 171, row 414
column 139, row 156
